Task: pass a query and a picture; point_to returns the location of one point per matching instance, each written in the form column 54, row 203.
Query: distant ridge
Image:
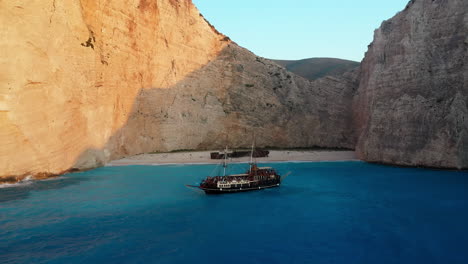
column 315, row 68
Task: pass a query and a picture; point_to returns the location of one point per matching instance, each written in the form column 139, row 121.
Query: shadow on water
column 23, row 190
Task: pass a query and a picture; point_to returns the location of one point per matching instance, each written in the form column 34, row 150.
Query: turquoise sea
column 331, row 212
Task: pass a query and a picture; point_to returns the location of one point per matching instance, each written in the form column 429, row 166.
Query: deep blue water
column 343, row 212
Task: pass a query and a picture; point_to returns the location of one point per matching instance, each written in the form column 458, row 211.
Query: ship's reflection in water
column 342, row 212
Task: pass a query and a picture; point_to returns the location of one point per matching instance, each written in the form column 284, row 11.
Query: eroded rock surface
column 234, row 97
column 71, row 71
column 411, row 106
column 83, row 82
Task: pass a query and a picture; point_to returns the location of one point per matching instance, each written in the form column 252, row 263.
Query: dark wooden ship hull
column 237, row 189
column 256, row 178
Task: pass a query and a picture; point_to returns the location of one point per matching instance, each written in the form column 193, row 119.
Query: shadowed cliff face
column 227, row 101
column 411, row 106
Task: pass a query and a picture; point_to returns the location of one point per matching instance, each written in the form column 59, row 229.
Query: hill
column 315, row 68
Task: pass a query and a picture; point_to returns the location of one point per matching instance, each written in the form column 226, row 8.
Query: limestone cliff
column 71, row 71
column 411, row 106
column 83, row 82
column 231, row 98
column 86, row 81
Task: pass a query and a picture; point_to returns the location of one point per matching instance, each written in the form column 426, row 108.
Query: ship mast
column 225, row 159
column 251, row 154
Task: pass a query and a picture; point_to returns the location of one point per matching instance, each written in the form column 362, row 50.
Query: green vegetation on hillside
column 316, row 68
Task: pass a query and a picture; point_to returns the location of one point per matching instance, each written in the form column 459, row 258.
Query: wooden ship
column 255, row 178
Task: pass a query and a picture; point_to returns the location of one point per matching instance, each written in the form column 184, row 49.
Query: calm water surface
column 344, row 212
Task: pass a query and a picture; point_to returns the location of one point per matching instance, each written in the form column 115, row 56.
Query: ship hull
column 236, row 190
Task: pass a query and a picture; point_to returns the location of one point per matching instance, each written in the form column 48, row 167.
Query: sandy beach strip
column 203, row 157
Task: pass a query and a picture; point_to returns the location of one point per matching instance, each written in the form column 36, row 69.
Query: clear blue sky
column 298, row 29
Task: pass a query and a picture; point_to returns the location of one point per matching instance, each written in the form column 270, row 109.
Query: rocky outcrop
column 92, row 81
column 411, row 106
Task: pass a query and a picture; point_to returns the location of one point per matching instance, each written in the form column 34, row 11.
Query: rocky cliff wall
column 411, row 105
column 83, row 82
column 72, row 70
column 234, row 97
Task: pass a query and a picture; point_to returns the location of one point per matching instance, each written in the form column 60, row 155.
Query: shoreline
column 203, row 157
column 230, row 162
column 198, row 158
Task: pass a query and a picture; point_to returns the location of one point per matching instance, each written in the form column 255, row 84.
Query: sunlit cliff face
column 97, row 81
column 70, row 73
